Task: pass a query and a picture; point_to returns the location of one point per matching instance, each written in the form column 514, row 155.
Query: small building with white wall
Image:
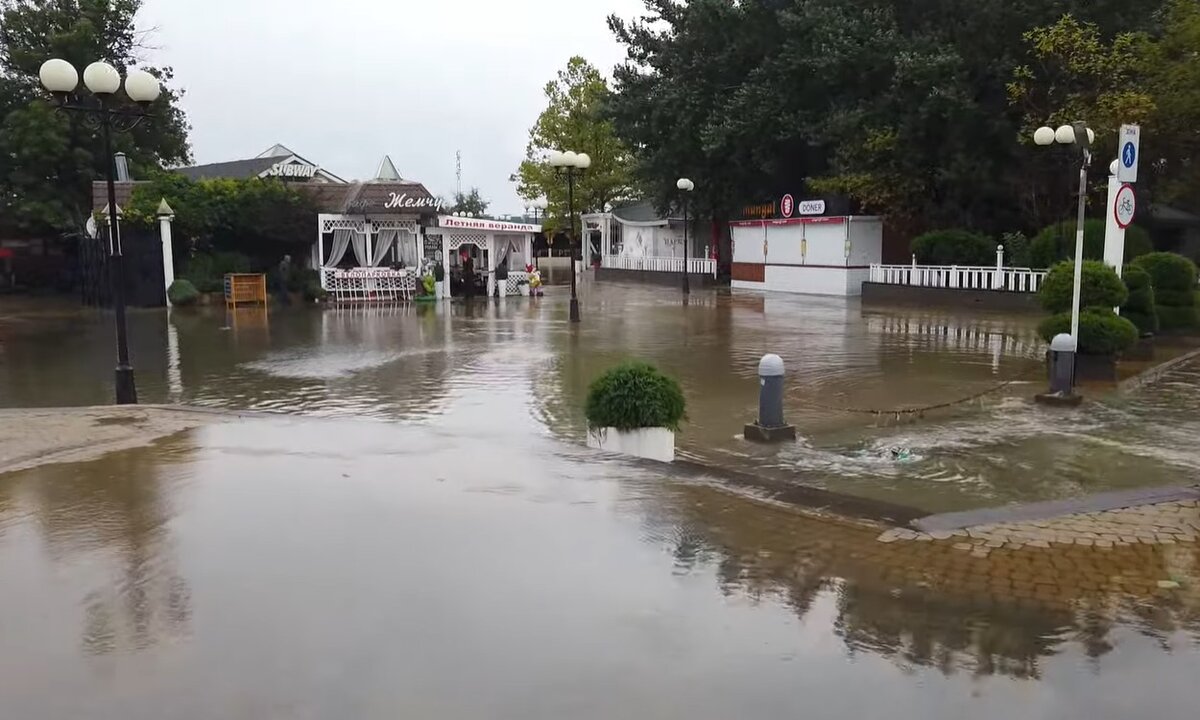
column 815, row 254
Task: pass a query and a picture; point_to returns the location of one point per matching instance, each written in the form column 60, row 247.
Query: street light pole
column 685, row 186
column 61, row 79
column 569, row 162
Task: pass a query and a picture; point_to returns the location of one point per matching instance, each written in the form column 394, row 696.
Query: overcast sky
column 343, row 83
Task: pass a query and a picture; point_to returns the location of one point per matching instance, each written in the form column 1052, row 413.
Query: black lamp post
column 685, row 186
column 570, row 163
column 103, row 81
column 537, row 206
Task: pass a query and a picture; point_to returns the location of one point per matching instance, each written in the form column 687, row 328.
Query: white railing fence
column 969, row 277
column 695, row 266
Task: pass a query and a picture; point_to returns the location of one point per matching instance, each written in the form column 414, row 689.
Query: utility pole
column 457, row 174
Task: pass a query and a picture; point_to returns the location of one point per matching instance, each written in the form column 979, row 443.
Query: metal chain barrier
column 920, row 411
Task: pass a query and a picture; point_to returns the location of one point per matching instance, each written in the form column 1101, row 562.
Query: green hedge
column 1175, row 298
column 1139, row 306
column 1169, row 271
column 207, row 270
column 954, row 247
column 1171, row 317
column 1057, row 242
column 1099, row 287
column 1101, row 332
column 182, row 293
column 634, row 395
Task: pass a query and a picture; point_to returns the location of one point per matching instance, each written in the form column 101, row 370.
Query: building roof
column 252, row 167
column 640, row 213
column 406, row 198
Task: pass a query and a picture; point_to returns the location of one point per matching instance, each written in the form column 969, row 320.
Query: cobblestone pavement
column 1158, row 524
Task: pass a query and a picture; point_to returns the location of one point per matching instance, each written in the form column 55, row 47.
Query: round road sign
column 1124, row 206
column 786, row 205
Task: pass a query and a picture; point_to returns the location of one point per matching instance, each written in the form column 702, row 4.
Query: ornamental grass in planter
column 634, row 408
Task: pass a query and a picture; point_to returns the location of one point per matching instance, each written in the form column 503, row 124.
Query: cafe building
column 372, row 239
column 811, row 246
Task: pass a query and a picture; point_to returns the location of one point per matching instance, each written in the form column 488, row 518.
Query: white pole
column 998, row 283
column 1078, row 253
column 321, row 252
column 1114, row 234
column 168, row 260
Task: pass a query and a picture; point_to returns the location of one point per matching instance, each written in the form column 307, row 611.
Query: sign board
column 374, row 272
column 432, row 244
column 292, row 170
column 1128, row 148
column 450, row 221
column 786, row 204
column 1124, row 206
column 812, row 207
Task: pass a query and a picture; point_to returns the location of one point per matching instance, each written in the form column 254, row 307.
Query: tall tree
column 49, row 158
column 470, row 202
column 1171, row 141
column 574, row 119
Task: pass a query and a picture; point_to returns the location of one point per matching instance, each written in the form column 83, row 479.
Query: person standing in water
column 285, row 271
column 468, row 275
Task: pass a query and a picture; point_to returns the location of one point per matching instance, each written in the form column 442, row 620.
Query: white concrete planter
column 654, row 443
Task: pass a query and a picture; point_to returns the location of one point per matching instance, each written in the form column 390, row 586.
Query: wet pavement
column 442, row 365
column 418, row 530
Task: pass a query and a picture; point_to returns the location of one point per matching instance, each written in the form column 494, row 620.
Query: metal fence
column 1005, row 279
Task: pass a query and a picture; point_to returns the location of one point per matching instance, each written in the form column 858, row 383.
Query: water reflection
column 439, row 363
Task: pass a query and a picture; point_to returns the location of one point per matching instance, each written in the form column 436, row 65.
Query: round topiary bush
column 954, row 247
column 634, row 395
column 1139, row 306
column 1168, row 271
column 1099, row 287
column 1174, row 279
column 1057, row 242
column 1101, row 331
column 182, row 293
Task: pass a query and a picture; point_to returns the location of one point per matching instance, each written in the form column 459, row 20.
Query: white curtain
column 341, row 241
column 383, row 244
column 358, row 243
column 407, row 244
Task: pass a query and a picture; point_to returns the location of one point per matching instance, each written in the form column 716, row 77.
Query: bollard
column 1061, row 369
column 770, row 426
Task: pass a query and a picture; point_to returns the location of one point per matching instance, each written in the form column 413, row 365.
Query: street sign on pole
column 1128, row 147
column 1124, row 206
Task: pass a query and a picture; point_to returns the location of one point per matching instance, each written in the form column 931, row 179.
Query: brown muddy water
column 419, row 532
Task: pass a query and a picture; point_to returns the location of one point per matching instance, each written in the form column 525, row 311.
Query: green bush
column 1175, row 298
column 1168, row 271
column 1057, row 242
column 954, row 247
column 1101, row 331
column 314, row 291
column 1099, row 287
column 1171, row 317
column 299, row 279
column 207, row 270
column 634, row 395
column 182, row 293
column 1016, row 250
column 1139, row 306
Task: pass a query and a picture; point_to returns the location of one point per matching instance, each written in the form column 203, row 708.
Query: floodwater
column 432, row 365
column 419, row 532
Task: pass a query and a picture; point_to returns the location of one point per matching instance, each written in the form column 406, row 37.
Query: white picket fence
column 1025, row 280
column 696, row 266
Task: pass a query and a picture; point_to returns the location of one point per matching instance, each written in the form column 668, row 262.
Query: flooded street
column 413, row 527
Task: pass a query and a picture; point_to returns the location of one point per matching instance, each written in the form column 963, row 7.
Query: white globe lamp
column 1064, row 135
column 58, row 76
column 583, row 161
column 141, row 86
column 102, row 78
column 1043, row 136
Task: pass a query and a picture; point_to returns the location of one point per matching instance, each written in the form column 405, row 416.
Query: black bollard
column 1061, row 369
column 770, row 426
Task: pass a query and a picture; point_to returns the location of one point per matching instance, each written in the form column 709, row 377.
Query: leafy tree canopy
column 574, row 119
column 49, row 159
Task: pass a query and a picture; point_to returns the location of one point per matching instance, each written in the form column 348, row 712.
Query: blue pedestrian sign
column 1128, row 139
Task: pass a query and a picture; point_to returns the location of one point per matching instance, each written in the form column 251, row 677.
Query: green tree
column 471, row 203
column 51, row 158
column 574, row 120
column 1170, row 137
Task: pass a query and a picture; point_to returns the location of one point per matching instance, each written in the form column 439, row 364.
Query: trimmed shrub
column 1016, row 250
column 1057, row 242
column 1101, row 331
column 207, row 270
column 954, row 247
column 1172, row 317
column 1139, row 306
column 1099, row 287
column 1174, row 280
column 1169, row 271
column 182, row 293
column 314, row 291
column 634, row 395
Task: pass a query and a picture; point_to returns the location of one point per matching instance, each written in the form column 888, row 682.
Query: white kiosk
column 817, row 255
